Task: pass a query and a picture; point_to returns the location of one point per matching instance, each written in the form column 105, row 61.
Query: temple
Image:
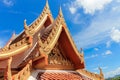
column 44, row 50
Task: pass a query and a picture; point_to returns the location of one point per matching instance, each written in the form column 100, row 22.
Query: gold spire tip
column 60, row 11
column 25, row 20
column 13, row 33
column 47, row 3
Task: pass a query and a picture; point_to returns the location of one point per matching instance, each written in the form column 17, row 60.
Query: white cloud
column 72, row 10
column 8, row 2
column 118, row 0
column 92, row 56
column 88, row 6
column 108, row 52
column 112, row 73
column 115, row 8
column 115, row 35
column 96, row 49
column 76, row 19
column 99, row 30
column 95, row 69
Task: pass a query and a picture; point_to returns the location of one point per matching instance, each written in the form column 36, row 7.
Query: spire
column 26, row 28
column 81, row 50
column 47, row 5
column 60, row 12
column 25, row 25
column 46, row 8
column 60, row 16
column 101, row 73
column 13, row 34
column 25, row 22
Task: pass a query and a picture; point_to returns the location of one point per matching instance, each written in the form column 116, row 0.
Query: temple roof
column 32, row 30
column 43, row 40
column 61, row 75
column 57, row 75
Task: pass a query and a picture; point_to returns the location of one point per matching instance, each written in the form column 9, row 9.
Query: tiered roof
column 48, row 43
column 58, row 28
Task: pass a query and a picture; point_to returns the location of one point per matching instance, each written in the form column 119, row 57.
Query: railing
column 24, row 73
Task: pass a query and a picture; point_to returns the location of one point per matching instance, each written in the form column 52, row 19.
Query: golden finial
column 60, row 12
column 101, row 73
column 46, row 8
column 26, row 28
column 81, row 51
column 25, row 22
column 60, row 15
column 47, row 5
column 13, row 34
column 25, row 25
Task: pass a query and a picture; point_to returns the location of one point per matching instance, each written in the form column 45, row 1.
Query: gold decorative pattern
column 46, row 51
column 56, row 57
column 35, row 26
column 8, row 74
column 24, row 73
column 16, row 48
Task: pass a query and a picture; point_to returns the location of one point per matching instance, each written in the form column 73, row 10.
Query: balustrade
column 24, row 73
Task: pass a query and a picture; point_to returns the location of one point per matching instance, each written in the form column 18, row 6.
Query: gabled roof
column 12, row 50
column 59, row 28
column 37, row 23
column 72, row 51
column 59, row 33
column 60, row 75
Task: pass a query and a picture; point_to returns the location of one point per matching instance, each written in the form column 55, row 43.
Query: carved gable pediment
column 57, row 57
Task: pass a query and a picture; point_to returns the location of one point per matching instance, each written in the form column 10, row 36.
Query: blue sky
column 93, row 24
